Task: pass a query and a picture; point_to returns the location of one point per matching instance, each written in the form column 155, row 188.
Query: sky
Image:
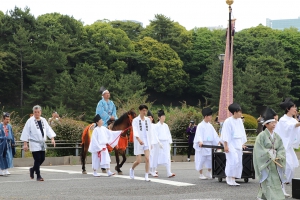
column 189, row 13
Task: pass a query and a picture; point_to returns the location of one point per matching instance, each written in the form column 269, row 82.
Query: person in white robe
column 162, row 147
column 35, row 132
column 101, row 137
column 233, row 137
column 207, row 135
column 154, row 150
column 142, row 137
column 288, row 129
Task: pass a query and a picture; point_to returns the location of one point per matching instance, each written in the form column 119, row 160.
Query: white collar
column 272, row 134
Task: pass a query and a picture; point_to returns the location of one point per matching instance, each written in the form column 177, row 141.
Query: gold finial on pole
column 229, row 2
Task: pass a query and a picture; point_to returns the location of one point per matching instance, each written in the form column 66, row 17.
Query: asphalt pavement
column 67, row 182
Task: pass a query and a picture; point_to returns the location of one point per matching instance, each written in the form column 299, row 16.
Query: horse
column 124, row 123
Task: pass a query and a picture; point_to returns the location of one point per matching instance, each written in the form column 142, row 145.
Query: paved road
column 67, row 182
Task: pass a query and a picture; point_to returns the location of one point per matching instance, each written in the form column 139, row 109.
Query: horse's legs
column 117, row 161
column 123, row 154
column 83, row 157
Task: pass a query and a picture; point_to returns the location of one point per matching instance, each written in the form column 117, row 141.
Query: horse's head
column 131, row 115
column 124, row 121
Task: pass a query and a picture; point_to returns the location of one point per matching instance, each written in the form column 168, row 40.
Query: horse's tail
column 84, row 140
column 84, row 133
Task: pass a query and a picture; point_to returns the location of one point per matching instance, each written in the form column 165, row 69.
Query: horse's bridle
column 129, row 125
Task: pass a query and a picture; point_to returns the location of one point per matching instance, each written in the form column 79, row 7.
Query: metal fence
column 177, row 146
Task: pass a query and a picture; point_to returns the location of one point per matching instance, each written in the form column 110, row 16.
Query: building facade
column 281, row 24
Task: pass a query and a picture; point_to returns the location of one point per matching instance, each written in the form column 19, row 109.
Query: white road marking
column 155, row 180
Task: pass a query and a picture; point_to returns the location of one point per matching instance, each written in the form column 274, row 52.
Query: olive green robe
column 269, row 173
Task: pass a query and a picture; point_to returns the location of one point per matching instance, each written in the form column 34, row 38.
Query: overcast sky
column 189, row 13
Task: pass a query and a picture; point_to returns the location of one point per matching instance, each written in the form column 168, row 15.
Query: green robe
column 266, row 170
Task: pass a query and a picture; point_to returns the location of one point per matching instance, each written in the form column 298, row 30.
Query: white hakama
column 233, row 132
column 100, row 137
column 290, row 135
column 206, row 134
column 162, row 148
column 154, row 152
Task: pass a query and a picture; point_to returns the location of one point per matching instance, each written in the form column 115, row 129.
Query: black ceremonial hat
column 286, row 103
column 97, row 118
column 149, row 113
column 268, row 116
column 206, row 112
column 160, row 113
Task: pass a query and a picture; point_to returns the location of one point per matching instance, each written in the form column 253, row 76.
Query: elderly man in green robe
column 269, row 160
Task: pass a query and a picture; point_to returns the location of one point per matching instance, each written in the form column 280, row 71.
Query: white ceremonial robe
column 165, row 138
column 155, row 148
column 290, row 135
column 233, row 132
column 31, row 133
column 100, row 137
column 139, row 132
column 206, row 134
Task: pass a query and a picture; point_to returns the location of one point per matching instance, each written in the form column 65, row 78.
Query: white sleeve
column 135, row 126
column 198, row 136
column 49, row 131
column 216, row 138
column 226, row 132
column 26, row 132
column 169, row 134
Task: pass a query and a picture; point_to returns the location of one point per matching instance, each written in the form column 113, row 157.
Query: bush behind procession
column 70, row 127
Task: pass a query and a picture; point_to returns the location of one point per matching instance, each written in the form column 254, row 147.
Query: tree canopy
column 54, row 59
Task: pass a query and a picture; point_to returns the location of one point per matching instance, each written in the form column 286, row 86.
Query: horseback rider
column 106, row 109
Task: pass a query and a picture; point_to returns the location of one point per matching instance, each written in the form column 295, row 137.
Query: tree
column 126, row 87
column 163, row 68
column 65, row 31
column 212, row 79
column 290, row 41
column 43, row 71
column 166, row 31
column 107, row 48
column 132, row 29
column 22, row 46
column 207, row 45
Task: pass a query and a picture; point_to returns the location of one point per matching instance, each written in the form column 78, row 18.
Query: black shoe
column 31, row 172
column 40, row 179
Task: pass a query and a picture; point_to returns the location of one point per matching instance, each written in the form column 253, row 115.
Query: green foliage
column 64, row 63
column 68, row 130
column 60, row 109
column 132, row 29
column 178, row 119
column 250, row 122
column 132, row 103
column 166, row 31
column 163, row 69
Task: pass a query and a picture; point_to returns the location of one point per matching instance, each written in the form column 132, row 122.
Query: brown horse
column 123, row 123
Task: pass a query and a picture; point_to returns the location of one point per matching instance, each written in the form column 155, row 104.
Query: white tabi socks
column 95, row 174
column 131, row 173
column 231, row 181
column 146, row 177
column 283, row 190
column 109, row 173
column 234, row 183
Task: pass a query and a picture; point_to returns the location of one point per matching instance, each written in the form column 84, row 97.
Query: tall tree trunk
column 21, row 97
